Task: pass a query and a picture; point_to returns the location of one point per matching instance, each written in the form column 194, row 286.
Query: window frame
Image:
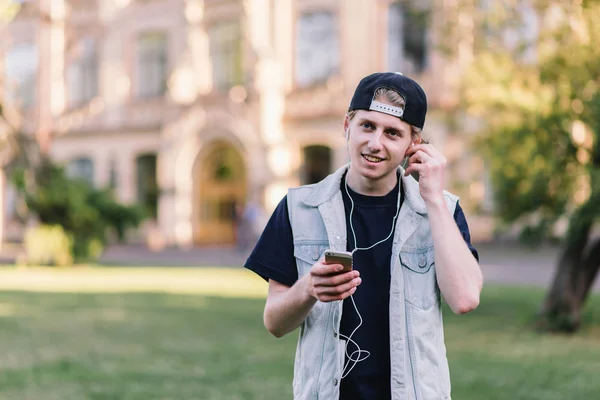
column 333, row 52
column 401, row 61
column 228, row 51
column 85, row 65
column 24, row 76
column 148, row 58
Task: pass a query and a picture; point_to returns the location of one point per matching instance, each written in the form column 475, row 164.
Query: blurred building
column 191, row 107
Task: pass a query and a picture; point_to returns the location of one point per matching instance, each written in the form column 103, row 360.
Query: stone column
column 2, row 206
column 51, row 62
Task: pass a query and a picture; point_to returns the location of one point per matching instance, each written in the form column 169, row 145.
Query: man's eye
column 367, row 125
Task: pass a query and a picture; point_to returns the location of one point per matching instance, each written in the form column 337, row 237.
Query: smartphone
column 339, row 257
column 405, row 165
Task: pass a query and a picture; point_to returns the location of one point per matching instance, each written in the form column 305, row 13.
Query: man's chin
column 373, row 174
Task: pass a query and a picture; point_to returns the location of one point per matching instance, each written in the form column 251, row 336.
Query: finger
column 338, row 289
column 420, row 157
column 321, row 269
column 336, row 280
column 425, row 148
column 335, row 297
column 432, row 151
column 415, row 167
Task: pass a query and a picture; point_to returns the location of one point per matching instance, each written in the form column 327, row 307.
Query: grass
column 116, row 333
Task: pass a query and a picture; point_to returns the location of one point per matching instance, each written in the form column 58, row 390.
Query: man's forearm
column 287, row 307
column 458, row 274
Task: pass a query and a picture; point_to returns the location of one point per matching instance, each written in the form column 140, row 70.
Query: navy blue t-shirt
column 273, row 258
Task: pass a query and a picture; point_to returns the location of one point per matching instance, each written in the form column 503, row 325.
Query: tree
column 19, row 150
column 540, row 104
column 51, row 198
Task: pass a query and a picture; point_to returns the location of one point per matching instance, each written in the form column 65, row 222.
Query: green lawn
column 149, row 333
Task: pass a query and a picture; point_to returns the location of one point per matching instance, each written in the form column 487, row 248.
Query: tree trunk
column 589, row 273
column 576, row 271
column 560, row 311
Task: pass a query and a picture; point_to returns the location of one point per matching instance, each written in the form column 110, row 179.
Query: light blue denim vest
column 419, row 368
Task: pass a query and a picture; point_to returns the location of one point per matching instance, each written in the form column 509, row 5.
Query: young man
column 374, row 332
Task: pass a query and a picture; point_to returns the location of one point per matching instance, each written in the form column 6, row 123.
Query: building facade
column 193, row 107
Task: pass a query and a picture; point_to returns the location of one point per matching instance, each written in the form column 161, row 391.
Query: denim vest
column 419, row 368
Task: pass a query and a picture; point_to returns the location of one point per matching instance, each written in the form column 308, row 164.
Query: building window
column 317, row 164
column 83, row 74
column 21, row 63
column 408, row 47
column 522, row 31
column 81, row 168
column 317, row 48
column 152, row 65
column 226, row 53
column 147, row 186
column 113, row 179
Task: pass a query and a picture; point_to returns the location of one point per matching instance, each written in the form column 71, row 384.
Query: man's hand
column 326, row 283
column 430, row 164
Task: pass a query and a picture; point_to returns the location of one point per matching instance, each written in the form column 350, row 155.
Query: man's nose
column 375, row 141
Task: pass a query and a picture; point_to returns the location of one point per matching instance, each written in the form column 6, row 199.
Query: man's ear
column 412, row 143
column 346, row 126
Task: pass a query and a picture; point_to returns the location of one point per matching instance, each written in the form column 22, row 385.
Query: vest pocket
column 307, row 254
column 420, row 284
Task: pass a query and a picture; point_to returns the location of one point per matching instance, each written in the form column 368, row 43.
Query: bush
column 84, row 213
column 48, row 245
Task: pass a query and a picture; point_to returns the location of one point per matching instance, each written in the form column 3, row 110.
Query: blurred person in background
column 250, row 222
column 376, row 331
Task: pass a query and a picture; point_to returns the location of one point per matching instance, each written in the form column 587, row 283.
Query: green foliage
column 85, row 213
column 530, row 169
column 539, row 167
column 48, row 245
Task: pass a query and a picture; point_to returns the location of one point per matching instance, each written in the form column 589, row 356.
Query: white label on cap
column 386, row 109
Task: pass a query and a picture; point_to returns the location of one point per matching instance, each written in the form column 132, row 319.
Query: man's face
column 377, row 143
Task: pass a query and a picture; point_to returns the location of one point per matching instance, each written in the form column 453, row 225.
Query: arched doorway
column 219, row 191
column 316, row 165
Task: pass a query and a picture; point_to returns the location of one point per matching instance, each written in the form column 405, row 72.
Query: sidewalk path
column 500, row 262
column 515, row 264
column 132, row 255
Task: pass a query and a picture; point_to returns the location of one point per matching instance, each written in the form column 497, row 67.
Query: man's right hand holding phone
column 328, row 282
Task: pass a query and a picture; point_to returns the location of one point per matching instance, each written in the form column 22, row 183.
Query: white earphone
column 359, row 355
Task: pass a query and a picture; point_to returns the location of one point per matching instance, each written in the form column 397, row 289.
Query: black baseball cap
column 416, row 101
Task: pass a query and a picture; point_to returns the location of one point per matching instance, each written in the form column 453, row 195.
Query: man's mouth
column 373, row 159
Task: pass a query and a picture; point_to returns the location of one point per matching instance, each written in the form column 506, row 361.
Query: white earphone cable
column 358, row 355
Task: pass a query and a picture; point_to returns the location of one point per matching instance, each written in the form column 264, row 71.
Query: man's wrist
column 307, row 290
column 435, row 203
